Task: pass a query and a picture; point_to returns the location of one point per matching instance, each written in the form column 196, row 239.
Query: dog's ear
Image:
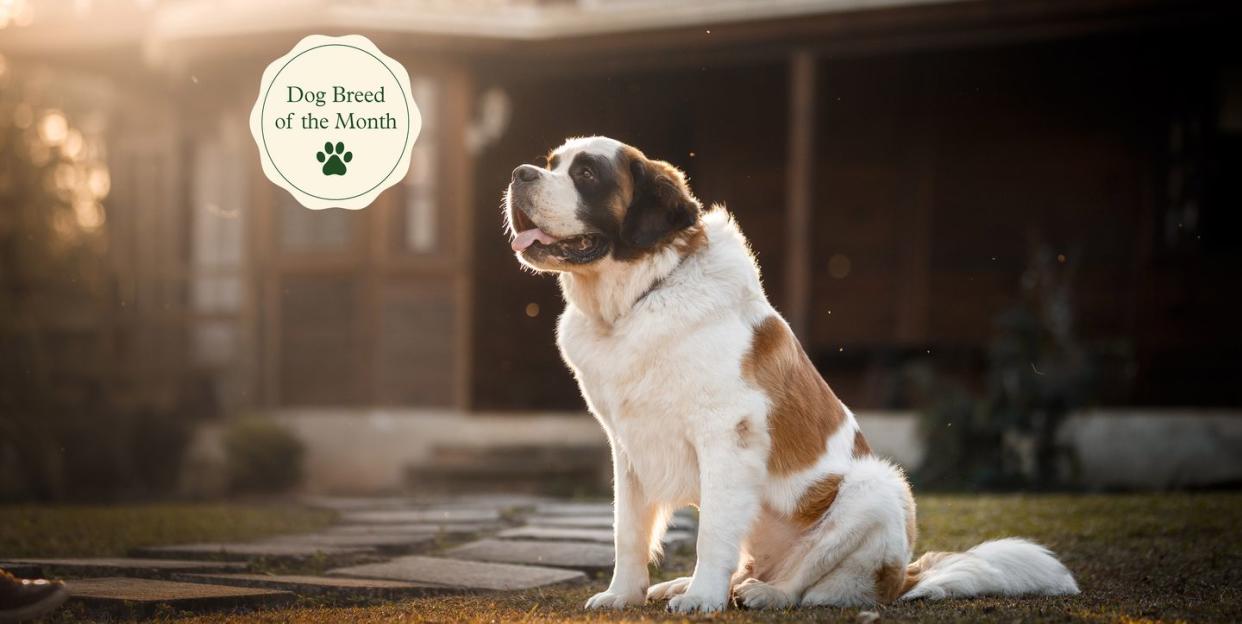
column 662, row 203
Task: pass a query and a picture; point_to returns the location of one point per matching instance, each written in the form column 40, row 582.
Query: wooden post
column 459, row 110
column 799, row 187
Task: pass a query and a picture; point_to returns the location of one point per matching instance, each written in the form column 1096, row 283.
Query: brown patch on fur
column 654, row 206
column 817, row 499
column 804, row 410
column 908, row 584
column 861, row 448
column 625, row 181
column 690, row 240
column 914, row 571
column 743, row 433
column 890, row 582
column 925, row 562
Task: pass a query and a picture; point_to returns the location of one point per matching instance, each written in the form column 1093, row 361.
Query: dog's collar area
column 659, row 282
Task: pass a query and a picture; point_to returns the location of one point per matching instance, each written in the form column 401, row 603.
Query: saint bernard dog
column 708, row 399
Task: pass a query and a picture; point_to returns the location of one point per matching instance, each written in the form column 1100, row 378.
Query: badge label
column 335, row 122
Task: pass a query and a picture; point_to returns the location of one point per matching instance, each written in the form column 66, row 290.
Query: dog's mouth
column 534, row 243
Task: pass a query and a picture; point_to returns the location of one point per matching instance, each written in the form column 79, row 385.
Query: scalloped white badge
column 335, row 122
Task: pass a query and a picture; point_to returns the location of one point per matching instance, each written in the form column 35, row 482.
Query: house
column 896, row 164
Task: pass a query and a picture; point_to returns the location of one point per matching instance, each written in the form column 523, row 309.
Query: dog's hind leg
column 820, row 552
column 848, row 553
column 855, row 582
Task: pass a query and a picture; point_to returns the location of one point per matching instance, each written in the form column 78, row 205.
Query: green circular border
column 263, row 124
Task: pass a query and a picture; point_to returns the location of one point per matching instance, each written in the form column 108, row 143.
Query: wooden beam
column 799, row 189
column 458, row 107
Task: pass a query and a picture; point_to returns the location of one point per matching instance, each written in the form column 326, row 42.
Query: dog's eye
column 586, row 173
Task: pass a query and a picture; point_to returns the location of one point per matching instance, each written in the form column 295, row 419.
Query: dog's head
column 597, row 198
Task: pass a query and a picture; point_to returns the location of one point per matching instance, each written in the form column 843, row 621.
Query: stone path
column 319, row 585
column 143, row 596
column 678, row 522
column 382, row 549
column 439, row 517
column 572, row 555
column 123, row 566
column 463, row 574
column 270, row 550
column 454, row 531
column 672, row 539
column 384, row 543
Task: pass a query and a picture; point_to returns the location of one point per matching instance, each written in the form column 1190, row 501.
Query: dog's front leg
column 634, row 528
column 729, row 482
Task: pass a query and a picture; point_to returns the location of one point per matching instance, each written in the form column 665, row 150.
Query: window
column 421, row 231
column 217, row 244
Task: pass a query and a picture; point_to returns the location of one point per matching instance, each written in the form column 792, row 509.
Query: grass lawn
column 113, row 530
column 1138, row 558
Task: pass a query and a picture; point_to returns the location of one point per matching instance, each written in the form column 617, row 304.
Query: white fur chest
column 631, row 386
column 658, row 390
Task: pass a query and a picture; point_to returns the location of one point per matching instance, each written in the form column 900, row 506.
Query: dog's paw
column 614, row 600
column 755, row 594
column 668, row 589
column 696, row 603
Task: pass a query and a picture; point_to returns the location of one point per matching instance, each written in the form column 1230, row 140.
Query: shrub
column 263, row 457
column 1038, row 372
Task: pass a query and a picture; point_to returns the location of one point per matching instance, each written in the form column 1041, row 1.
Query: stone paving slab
column 680, row 523
column 493, row 502
column 463, row 574
column 400, row 529
column 146, row 595
column 672, row 539
column 425, row 516
column 125, row 566
column 451, row 531
column 574, row 509
column 22, row 570
column 248, row 551
column 574, row 555
column 499, row 502
column 592, row 509
column 322, row 585
column 359, row 503
column 388, row 544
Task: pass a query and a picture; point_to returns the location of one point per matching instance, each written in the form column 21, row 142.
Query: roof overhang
column 161, row 29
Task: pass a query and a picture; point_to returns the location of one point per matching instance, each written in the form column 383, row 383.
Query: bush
column 91, row 454
column 1038, row 372
column 263, row 457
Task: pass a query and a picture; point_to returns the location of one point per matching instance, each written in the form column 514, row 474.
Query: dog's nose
column 525, row 173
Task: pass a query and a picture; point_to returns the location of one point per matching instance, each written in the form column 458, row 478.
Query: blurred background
column 1006, row 231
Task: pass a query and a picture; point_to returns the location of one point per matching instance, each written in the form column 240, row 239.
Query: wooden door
column 368, row 307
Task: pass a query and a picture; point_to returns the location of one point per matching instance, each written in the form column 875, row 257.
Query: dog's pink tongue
column 526, row 238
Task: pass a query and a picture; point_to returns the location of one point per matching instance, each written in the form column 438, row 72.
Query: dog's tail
column 1004, row 567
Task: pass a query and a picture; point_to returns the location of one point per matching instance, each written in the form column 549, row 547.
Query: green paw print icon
column 334, row 158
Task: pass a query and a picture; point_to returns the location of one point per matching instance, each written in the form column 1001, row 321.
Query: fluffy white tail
column 1005, row 567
